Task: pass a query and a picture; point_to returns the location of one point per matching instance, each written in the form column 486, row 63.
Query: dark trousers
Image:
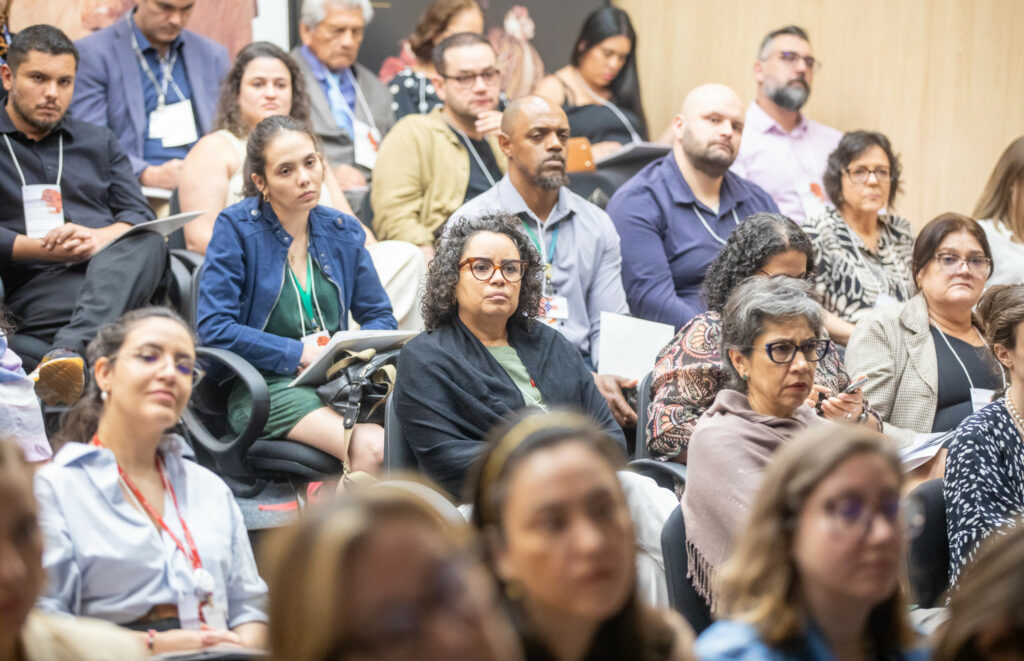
column 65, row 304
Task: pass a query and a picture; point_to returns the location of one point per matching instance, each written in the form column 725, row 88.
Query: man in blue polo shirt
column 675, row 214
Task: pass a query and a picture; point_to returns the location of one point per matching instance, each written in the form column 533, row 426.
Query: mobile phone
column 856, row 384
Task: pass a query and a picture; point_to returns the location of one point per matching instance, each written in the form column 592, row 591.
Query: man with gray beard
column 783, row 151
column 576, row 240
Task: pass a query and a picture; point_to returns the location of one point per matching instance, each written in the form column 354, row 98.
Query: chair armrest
column 191, row 260
column 665, row 473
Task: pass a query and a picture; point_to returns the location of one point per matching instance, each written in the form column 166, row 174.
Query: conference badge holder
column 367, row 139
column 44, row 209
column 173, row 124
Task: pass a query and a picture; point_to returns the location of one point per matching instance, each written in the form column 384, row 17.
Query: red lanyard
column 193, row 552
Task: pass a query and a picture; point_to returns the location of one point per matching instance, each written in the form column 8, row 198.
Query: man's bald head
column 535, row 137
column 708, row 128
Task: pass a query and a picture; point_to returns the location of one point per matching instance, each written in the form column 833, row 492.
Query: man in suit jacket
column 351, row 107
column 153, row 83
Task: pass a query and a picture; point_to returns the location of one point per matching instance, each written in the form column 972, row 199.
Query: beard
column 791, row 96
column 712, row 163
column 551, row 181
column 24, row 110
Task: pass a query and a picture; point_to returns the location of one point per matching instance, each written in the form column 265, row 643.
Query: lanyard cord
column 957, row 356
column 360, row 99
column 311, row 281
column 708, row 227
column 60, row 159
column 550, row 259
column 634, row 136
column 166, row 69
column 476, row 156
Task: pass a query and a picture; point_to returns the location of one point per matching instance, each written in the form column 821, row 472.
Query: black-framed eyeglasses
column 950, row 263
column 489, row 76
column 860, row 175
column 791, row 58
column 785, row 351
column 483, row 268
column 806, row 276
column 183, row 366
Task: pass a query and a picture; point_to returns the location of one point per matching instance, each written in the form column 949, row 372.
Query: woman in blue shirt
column 281, row 276
column 135, row 532
column 815, row 574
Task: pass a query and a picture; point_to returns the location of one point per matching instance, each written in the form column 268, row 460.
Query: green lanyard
column 306, row 297
column 548, row 287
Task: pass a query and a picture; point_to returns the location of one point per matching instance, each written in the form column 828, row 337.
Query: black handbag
column 358, row 383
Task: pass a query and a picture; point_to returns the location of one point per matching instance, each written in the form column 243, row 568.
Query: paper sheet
column 924, row 447
column 381, row 340
column 630, row 345
column 162, row 226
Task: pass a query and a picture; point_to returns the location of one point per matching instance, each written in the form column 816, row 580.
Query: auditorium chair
column 928, row 552
column 643, row 404
column 398, row 456
column 682, row 596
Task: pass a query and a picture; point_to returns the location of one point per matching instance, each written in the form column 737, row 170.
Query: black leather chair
column 928, row 552
column 398, row 456
column 681, row 594
column 642, row 416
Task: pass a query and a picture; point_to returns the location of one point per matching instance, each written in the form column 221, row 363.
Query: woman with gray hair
column 772, row 332
column 483, row 355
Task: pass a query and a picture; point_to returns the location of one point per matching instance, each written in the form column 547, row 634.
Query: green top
column 509, row 360
column 287, row 317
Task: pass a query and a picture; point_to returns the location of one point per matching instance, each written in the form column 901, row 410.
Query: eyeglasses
column 950, row 263
column 483, row 269
column 785, row 351
column 489, row 76
column 791, row 58
column 851, row 516
column 806, row 276
column 184, row 366
column 860, row 175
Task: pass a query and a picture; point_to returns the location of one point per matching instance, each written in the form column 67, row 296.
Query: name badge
column 174, row 125
column 188, row 611
column 316, row 340
column 44, row 209
column 812, row 198
column 366, row 140
column 554, row 308
column 213, row 615
column 980, row 398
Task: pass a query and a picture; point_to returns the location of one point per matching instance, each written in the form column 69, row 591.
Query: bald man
column 576, row 240
column 675, row 214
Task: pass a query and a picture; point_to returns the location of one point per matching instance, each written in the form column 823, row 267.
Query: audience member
column 984, row 485
column 281, row 275
column 599, row 89
column 927, row 362
column 68, row 191
column 785, row 151
column 432, row 164
column 676, row 214
column 153, row 83
column 985, row 612
column 27, row 634
column 382, row 575
column 484, row 354
column 351, row 107
column 689, row 371
column 771, row 333
column 560, row 540
column 412, row 89
column 20, row 417
column 135, row 532
column 815, row 572
column 583, row 278
column 5, row 37
column 863, row 254
column 1000, row 211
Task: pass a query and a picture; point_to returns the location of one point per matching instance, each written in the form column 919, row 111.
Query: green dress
column 288, row 405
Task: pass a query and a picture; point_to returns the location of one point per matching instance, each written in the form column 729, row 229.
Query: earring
column 266, row 196
column 744, row 377
column 103, row 395
column 514, row 590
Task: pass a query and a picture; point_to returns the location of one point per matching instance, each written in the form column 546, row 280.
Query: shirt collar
column 731, row 194
column 318, row 68
column 7, row 126
column 762, row 122
column 144, row 44
column 513, row 203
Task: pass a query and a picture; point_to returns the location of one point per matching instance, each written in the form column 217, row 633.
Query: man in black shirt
column 67, row 192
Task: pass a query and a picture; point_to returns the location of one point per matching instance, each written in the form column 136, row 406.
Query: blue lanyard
column 551, row 247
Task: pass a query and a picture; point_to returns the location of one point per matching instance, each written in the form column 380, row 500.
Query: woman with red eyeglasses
column 135, row 532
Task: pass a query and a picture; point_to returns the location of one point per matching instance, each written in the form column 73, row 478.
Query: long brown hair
column 760, row 583
column 229, row 114
column 433, row 23
column 1003, row 197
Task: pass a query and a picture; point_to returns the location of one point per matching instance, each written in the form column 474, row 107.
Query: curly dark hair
column 757, row 239
column 439, row 304
column 851, row 146
column 229, row 115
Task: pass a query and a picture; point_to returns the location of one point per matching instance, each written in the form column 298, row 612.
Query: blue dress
column 727, row 640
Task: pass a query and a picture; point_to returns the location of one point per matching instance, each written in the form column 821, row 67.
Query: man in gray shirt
column 577, row 241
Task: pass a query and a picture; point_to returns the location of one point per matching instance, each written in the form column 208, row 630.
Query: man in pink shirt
column 783, row 151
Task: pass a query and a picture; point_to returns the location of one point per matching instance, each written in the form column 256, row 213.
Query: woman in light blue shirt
column 815, row 574
column 135, row 532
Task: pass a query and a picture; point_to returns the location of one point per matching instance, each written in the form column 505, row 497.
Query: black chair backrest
column 681, row 593
column 642, row 416
column 397, row 453
column 928, row 552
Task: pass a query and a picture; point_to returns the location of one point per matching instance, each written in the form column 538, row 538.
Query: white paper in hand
column 630, row 345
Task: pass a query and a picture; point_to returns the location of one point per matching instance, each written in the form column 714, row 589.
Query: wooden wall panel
column 944, row 79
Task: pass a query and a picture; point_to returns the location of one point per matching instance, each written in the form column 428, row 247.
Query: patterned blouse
column 984, row 485
column 851, row 277
column 412, row 93
column 689, row 372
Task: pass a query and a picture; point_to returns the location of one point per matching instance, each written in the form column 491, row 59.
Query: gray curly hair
column 439, row 305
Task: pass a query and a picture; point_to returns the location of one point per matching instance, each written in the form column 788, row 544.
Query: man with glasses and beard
column 576, row 240
column 785, row 152
column 675, row 214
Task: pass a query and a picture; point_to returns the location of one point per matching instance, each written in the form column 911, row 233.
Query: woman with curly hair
column 483, row 355
column 689, row 371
